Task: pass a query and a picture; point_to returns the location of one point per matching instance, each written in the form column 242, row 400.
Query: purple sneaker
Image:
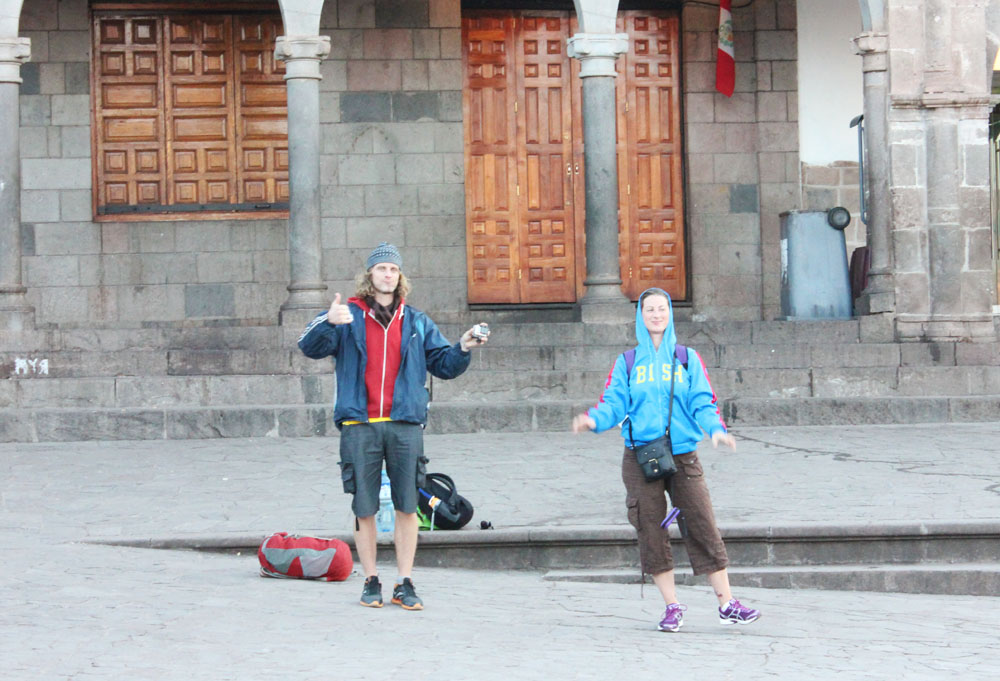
column 673, row 618
column 735, row 612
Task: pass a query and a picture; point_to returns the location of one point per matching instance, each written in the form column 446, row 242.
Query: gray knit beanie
column 385, row 252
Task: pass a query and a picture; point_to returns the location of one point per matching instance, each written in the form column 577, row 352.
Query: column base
column 878, row 297
column 305, row 301
column 606, row 304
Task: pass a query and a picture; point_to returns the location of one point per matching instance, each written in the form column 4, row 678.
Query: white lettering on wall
column 34, row 366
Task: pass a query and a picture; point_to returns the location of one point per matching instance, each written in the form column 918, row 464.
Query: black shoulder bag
column 656, row 458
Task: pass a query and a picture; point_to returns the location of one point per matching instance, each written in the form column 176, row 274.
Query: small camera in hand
column 481, row 331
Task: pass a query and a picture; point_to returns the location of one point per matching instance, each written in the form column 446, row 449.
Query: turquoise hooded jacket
column 643, row 397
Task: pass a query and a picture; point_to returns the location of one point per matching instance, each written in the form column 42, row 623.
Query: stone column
column 603, row 300
column 15, row 313
column 302, row 55
column 879, row 295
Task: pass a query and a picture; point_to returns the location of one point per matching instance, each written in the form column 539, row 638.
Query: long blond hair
column 366, row 289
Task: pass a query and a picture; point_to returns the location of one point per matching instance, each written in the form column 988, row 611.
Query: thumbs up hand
column 339, row 314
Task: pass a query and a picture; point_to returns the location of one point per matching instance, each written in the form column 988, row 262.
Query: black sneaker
column 371, row 596
column 405, row 595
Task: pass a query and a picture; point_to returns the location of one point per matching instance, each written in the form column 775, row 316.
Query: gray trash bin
column 814, row 279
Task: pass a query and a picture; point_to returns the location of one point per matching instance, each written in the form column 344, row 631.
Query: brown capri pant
column 647, row 507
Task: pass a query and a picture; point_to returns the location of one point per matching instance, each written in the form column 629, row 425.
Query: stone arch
column 992, row 41
column 596, row 16
column 301, row 17
column 10, row 17
column 873, row 15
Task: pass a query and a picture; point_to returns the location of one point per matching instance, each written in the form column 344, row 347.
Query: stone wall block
column 52, row 270
column 209, row 300
column 202, row 236
column 367, row 169
column 64, row 304
column 225, row 267
column 910, row 250
column 739, row 259
column 451, row 43
column 445, row 74
column 355, row 13
column 69, row 46
column 699, row 107
column 373, row 75
column 38, row 173
column 75, row 205
column 75, row 141
column 333, row 233
column 920, row 381
column 40, row 206
column 740, row 137
column 777, row 136
column 402, row 13
column 67, row 238
column 334, row 72
column 51, row 77
column 415, row 75
column 383, row 43
column 436, row 231
column 776, row 45
column 976, row 165
column 912, row 292
column 909, row 210
column 426, row 43
column 35, row 110
column 342, row 201
column 740, row 108
column 419, row 168
column 709, row 198
column 699, row 76
column 735, row 168
column 787, row 12
column 442, row 199
column 778, row 198
column 445, row 13
column 390, row 200
column 705, row 138
column 784, row 76
column 164, row 268
column 978, row 250
column 772, row 106
column 275, row 389
column 366, row 233
column 855, row 355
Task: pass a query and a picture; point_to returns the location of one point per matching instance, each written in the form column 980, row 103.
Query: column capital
column 13, row 53
column 302, row 54
column 873, row 47
column 597, row 52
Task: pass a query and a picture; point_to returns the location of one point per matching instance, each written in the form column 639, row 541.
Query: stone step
column 138, row 392
column 969, row 579
column 941, row 557
column 302, row 420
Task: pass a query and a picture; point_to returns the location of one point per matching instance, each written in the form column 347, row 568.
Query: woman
column 642, row 397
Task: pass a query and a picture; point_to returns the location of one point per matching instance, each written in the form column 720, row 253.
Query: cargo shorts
column 363, row 448
column 647, row 507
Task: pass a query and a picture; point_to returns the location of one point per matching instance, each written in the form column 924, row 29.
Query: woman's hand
column 582, row 422
column 721, row 436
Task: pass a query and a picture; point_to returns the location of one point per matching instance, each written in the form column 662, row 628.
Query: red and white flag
column 725, row 60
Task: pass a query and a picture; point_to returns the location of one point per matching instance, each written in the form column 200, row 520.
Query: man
column 383, row 350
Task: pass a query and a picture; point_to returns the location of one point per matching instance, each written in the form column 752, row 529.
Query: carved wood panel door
column 652, row 200
column 524, row 158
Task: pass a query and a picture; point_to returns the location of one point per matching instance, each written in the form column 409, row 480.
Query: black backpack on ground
column 440, row 506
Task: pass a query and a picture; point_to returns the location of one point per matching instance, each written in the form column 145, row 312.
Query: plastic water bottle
column 385, row 520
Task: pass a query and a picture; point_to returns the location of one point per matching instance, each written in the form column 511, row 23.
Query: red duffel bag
column 290, row 556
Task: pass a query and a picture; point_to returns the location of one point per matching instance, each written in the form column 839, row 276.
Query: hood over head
column 642, row 334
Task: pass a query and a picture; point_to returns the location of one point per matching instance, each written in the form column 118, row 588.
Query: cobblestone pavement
column 73, row 610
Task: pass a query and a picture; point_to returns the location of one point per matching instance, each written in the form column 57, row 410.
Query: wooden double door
column 524, row 157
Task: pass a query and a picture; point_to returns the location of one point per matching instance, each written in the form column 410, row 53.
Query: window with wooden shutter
column 190, row 115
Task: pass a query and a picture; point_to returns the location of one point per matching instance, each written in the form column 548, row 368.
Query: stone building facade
column 376, row 145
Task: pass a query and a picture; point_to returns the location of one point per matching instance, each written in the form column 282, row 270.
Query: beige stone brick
column 703, row 138
column 415, row 75
column 772, row 106
column 225, row 267
column 771, row 167
column 763, row 76
column 699, row 107
column 699, row 46
column 709, row 198
column 778, row 136
column 700, row 18
column 334, row 74
column 445, row 74
column 427, row 43
column 776, row 45
column 699, row 76
column 741, row 137
column 700, row 168
column 374, row 75
column 52, row 78
column 787, row 14
column 451, row 43
column 388, row 43
column 784, row 75
column 740, row 108
column 825, row 176
column 445, row 13
column 356, row 13
column 779, row 197
column 736, row 168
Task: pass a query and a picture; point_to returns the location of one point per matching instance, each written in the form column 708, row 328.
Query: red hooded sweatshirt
column 383, row 348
